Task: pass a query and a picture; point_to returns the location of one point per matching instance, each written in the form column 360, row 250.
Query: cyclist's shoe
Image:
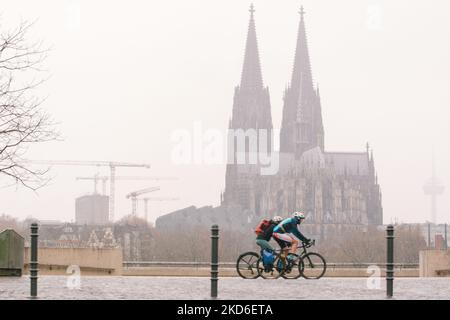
column 288, row 269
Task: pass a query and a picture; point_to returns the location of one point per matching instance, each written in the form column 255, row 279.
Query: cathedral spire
column 302, row 125
column 251, row 110
column 301, row 73
column 251, row 77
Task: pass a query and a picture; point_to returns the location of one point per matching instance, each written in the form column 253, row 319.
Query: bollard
column 214, row 260
column 34, row 260
column 390, row 261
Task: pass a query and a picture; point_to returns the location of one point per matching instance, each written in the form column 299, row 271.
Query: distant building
column 434, row 233
column 338, row 191
column 136, row 241
column 92, row 210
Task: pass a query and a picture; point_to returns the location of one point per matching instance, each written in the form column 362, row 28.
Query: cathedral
column 338, row 191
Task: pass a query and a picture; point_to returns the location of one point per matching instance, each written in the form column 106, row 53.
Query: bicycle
column 313, row 264
column 309, row 265
column 249, row 265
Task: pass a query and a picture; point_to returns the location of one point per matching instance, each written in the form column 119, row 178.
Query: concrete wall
column 92, row 261
column 434, row 263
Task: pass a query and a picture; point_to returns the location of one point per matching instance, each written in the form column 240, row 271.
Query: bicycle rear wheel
column 274, row 271
column 247, row 265
column 314, row 266
column 294, row 267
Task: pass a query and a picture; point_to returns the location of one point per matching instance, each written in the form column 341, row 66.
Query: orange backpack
column 262, row 226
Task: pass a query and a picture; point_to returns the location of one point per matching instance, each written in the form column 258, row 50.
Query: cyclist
column 263, row 238
column 287, row 231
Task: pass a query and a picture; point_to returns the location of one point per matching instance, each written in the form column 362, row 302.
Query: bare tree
column 364, row 246
column 370, row 246
column 8, row 222
column 22, row 120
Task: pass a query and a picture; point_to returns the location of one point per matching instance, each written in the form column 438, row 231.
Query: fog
column 126, row 74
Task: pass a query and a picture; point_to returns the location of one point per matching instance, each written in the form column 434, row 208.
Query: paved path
column 55, row 287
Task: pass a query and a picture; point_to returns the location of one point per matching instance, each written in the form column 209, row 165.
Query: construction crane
column 133, row 195
column 146, row 200
column 96, row 178
column 112, row 166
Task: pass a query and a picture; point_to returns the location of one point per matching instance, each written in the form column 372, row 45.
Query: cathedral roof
column 355, row 163
column 314, row 156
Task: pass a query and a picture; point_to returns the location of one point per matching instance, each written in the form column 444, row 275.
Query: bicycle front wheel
column 247, row 265
column 314, row 266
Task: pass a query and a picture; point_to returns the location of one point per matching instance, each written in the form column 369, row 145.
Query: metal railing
column 339, row 265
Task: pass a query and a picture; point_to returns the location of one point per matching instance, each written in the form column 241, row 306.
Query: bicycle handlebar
column 308, row 245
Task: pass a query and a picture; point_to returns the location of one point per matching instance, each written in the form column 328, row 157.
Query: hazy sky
column 125, row 74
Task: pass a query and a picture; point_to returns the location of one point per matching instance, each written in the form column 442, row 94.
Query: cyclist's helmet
column 277, row 219
column 299, row 216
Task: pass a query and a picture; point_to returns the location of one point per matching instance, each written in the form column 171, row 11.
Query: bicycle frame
column 304, row 247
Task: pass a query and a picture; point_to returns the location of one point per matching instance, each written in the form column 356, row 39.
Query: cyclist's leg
column 284, row 246
column 294, row 243
column 287, row 237
column 284, row 238
column 264, row 244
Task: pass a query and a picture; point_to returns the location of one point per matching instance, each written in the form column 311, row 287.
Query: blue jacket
column 289, row 225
